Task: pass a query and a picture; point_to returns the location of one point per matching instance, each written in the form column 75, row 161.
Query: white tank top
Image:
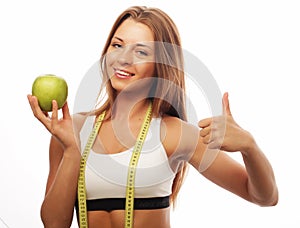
column 106, row 174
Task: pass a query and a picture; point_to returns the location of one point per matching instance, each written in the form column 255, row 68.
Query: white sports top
column 106, row 174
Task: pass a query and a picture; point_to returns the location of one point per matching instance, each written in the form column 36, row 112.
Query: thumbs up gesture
column 222, row 132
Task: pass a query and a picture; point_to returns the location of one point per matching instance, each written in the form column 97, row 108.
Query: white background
column 252, row 49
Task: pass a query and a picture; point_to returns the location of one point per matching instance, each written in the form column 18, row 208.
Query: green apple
column 50, row 87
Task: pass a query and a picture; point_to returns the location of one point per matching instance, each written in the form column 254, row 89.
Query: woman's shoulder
column 178, row 135
column 172, row 123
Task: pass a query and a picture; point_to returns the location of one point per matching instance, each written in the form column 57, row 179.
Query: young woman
column 142, row 67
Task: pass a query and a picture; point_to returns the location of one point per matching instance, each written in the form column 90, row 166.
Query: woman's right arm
column 64, row 155
column 58, row 205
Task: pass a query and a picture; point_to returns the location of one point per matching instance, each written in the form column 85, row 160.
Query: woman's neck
column 128, row 108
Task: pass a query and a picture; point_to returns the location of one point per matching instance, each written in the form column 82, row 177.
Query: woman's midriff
column 159, row 218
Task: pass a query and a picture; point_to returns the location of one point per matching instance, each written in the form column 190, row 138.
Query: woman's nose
column 125, row 56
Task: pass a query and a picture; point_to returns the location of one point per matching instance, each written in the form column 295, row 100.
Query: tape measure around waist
column 81, row 190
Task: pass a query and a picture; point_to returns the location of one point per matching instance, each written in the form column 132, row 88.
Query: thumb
column 226, row 106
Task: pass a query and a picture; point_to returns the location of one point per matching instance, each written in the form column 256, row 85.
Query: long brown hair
column 168, row 95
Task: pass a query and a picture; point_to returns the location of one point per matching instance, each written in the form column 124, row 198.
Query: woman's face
column 130, row 56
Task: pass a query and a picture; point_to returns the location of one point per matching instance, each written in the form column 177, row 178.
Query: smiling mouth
column 123, row 74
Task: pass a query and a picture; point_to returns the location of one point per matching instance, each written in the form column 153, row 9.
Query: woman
column 142, row 67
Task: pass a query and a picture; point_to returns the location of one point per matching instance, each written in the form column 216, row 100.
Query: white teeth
column 122, row 73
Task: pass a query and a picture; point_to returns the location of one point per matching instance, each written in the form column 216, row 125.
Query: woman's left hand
column 222, row 132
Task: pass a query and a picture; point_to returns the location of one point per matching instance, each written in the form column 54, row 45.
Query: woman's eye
column 142, row 53
column 115, row 45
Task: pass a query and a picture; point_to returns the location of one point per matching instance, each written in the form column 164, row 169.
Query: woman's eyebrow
column 118, row 38
column 136, row 44
column 144, row 45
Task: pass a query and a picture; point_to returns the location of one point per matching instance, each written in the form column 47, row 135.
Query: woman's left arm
column 255, row 182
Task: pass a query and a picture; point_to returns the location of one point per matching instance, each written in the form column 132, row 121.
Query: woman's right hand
column 62, row 129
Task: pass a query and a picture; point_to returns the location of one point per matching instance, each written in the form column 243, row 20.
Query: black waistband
column 119, row 204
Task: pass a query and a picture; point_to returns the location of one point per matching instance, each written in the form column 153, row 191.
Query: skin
column 254, row 181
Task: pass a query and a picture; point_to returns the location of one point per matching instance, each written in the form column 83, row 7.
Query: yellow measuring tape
column 129, row 206
column 81, row 191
